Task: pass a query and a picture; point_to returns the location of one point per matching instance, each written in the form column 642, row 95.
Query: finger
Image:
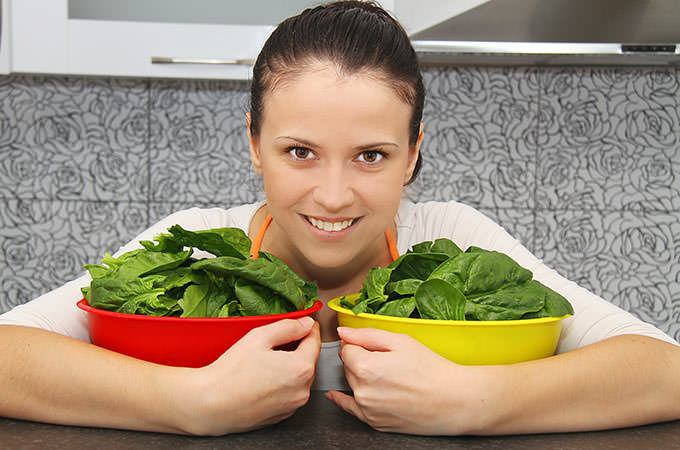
column 371, row 339
column 310, row 346
column 283, row 331
column 346, row 403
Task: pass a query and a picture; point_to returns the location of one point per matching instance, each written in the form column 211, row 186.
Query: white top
column 594, row 318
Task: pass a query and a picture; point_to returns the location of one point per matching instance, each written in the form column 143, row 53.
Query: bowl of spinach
column 163, row 304
column 472, row 307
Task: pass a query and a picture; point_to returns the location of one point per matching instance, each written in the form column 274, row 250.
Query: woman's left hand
column 402, row 386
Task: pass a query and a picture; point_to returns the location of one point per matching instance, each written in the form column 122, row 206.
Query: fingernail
column 307, row 321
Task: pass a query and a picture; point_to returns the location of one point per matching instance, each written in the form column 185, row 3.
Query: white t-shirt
column 594, row 318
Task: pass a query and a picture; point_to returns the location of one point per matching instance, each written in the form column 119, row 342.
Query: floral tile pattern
column 200, row 124
column 45, row 243
column 73, row 139
column 610, row 138
column 480, row 136
column 582, row 165
column 630, row 258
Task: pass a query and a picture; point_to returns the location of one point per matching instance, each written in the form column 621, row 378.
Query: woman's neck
column 332, row 282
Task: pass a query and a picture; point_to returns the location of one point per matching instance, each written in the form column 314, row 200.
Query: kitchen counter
column 321, row 425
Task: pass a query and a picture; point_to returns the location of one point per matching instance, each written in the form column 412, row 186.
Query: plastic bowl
column 174, row 341
column 467, row 342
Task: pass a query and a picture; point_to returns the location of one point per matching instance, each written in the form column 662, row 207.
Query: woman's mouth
column 330, row 225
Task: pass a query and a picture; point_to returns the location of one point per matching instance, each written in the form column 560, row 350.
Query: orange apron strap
column 391, row 245
column 257, row 242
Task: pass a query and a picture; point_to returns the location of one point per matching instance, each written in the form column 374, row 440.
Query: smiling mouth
column 330, row 226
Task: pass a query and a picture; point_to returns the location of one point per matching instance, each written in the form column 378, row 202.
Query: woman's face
column 334, row 154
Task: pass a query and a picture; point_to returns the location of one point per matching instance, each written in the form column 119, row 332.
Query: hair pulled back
column 355, row 36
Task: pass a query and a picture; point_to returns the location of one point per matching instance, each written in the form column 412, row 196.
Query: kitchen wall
column 581, row 164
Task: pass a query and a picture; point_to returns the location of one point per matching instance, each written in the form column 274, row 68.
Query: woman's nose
column 334, row 190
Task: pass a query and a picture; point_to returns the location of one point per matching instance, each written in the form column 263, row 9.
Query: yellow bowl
column 466, row 342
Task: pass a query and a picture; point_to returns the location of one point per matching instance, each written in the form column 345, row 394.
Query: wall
column 580, row 164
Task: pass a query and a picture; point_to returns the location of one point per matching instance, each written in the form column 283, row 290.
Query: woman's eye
column 300, row 153
column 371, row 156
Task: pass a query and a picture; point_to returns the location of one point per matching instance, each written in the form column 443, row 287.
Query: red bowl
column 174, row 341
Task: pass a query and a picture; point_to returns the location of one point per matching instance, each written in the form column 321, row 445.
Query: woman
column 335, row 133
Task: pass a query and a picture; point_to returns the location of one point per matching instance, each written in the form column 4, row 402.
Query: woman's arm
column 52, row 378
column 401, row 386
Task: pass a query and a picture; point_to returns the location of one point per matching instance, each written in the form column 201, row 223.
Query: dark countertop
column 321, row 425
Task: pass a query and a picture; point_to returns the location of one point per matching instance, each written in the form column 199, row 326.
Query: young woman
column 335, row 132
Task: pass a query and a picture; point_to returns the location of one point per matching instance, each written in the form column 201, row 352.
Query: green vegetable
column 437, row 280
column 162, row 279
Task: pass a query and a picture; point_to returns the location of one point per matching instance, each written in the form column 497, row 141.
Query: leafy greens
column 162, row 278
column 437, row 280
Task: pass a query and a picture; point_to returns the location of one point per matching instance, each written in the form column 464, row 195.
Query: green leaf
column 509, row 303
column 401, row 307
column 258, row 300
column 376, row 280
column 260, row 271
column 437, row 299
column 445, row 246
column 194, row 302
column 493, row 270
column 415, row 265
column 555, row 305
column 127, row 295
column 407, row 286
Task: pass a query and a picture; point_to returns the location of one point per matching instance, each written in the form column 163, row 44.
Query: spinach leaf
column 446, row 283
column 508, row 303
column 438, row 299
column 260, row 271
column 218, row 241
column 257, row 300
column 194, row 302
column 555, row 305
column 407, row 286
column 415, row 265
column 401, row 307
column 163, row 278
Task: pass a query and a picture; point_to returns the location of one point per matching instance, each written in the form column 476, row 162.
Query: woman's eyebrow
column 360, row 147
column 298, row 140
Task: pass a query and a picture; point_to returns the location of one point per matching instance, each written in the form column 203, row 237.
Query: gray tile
column 480, row 136
column 199, row 150
column 70, row 138
column 629, row 258
column 45, row 243
column 610, row 139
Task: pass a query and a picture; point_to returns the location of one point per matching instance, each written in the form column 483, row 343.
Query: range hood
column 556, row 32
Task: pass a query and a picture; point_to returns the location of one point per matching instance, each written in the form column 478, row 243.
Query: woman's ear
column 255, row 159
column 413, row 153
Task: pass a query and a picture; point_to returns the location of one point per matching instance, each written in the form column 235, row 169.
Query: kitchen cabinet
column 4, row 37
column 162, row 38
column 188, row 39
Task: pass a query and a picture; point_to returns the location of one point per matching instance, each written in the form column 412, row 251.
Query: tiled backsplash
column 581, row 164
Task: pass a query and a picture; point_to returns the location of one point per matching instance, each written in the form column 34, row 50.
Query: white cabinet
column 121, row 38
column 204, row 38
column 4, row 37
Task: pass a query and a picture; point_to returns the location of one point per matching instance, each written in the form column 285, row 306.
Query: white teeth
column 330, row 226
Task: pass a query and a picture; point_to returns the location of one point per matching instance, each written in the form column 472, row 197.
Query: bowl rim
column 85, row 306
column 334, row 304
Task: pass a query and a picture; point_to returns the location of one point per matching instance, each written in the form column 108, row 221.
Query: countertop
column 321, row 425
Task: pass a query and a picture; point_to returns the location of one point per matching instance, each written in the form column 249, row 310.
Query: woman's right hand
column 252, row 385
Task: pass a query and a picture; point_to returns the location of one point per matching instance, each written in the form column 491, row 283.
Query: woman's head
column 355, row 37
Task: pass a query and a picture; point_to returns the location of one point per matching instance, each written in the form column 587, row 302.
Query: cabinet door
column 193, row 39
column 38, row 36
column 4, row 37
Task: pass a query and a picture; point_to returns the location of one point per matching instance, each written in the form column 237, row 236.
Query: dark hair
column 354, row 35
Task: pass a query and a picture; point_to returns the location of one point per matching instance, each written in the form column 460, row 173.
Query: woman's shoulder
column 215, row 217
column 425, row 221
